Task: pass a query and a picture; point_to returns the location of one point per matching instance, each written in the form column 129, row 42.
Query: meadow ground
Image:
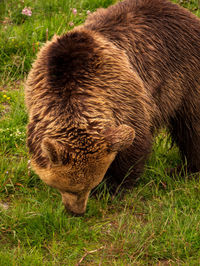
column 157, row 223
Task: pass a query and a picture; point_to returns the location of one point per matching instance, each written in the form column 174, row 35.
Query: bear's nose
column 73, row 213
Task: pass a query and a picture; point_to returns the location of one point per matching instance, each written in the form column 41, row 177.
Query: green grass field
column 157, row 223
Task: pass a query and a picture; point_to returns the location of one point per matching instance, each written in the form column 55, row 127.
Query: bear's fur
column 97, row 95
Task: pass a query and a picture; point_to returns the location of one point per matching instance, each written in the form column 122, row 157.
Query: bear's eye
column 65, row 158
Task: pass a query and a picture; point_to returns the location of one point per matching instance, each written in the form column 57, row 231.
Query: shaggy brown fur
column 97, row 94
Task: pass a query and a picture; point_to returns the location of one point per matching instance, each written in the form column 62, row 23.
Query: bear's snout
column 75, row 203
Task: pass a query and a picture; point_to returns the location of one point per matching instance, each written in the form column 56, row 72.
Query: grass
column 157, row 223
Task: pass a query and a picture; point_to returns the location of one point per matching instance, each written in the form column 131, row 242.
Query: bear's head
column 76, row 167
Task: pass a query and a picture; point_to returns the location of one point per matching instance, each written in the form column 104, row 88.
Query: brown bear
column 97, row 95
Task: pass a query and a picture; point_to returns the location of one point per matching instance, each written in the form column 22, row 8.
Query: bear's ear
column 51, row 149
column 120, row 137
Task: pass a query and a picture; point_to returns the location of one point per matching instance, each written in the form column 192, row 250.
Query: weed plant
column 156, row 223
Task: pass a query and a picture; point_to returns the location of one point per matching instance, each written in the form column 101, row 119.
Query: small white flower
column 71, row 24
column 74, row 11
